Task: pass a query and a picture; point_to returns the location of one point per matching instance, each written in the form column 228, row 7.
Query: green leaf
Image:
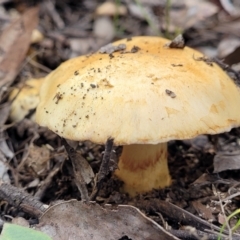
column 16, row 232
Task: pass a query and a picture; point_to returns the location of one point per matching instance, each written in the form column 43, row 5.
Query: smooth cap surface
column 147, row 93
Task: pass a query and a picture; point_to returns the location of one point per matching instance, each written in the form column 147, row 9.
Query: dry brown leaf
column 202, row 210
column 14, row 43
column 37, row 159
column 200, row 143
column 227, row 46
column 85, row 168
column 78, row 220
column 221, row 218
column 193, row 13
column 226, row 161
column 233, row 57
column 205, row 179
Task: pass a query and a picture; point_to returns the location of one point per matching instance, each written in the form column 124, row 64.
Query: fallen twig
column 104, row 168
column 20, row 199
column 176, row 214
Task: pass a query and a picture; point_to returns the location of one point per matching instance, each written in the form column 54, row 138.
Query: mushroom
column 142, row 97
column 111, row 9
column 25, row 99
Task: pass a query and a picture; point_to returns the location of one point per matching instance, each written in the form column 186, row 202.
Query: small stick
column 54, row 14
column 79, row 180
column 104, row 169
column 20, row 199
column 225, row 218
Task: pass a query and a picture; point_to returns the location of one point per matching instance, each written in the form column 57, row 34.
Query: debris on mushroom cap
column 170, row 93
column 109, row 48
column 25, row 99
column 177, row 42
column 129, row 102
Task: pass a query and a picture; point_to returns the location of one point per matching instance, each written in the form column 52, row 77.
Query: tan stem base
column 143, row 168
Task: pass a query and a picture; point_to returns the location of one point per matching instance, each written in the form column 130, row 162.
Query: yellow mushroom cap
column 110, row 9
column 36, row 36
column 25, row 100
column 151, row 94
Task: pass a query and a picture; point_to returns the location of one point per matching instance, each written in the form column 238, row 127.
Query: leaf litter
column 91, row 221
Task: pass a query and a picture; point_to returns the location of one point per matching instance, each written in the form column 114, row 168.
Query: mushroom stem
column 143, row 167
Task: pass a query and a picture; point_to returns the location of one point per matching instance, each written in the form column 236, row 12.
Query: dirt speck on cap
column 170, row 93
